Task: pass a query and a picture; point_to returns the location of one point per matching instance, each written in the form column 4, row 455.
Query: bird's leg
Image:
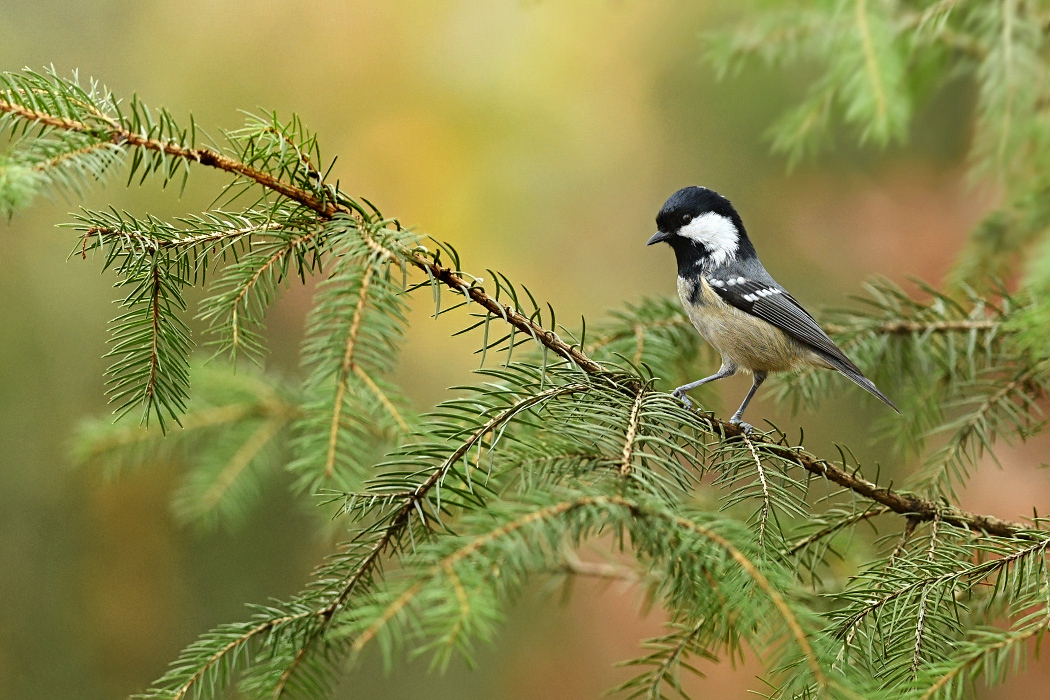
column 726, row 370
column 735, row 420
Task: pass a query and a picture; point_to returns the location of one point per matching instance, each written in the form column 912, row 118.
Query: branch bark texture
column 908, row 504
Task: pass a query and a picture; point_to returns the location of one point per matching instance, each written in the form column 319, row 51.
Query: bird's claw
column 680, row 395
column 746, row 427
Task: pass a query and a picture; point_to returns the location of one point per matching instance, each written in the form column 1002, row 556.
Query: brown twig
column 908, row 504
column 904, row 503
column 820, row 534
column 324, row 207
column 401, row 518
column 574, row 566
column 120, row 136
column 154, row 243
column 632, row 433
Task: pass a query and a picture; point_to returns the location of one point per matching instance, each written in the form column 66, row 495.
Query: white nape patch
column 716, row 233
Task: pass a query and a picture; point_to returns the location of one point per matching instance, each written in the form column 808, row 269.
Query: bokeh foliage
column 562, row 441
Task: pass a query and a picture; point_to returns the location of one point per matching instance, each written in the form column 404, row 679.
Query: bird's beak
column 658, row 236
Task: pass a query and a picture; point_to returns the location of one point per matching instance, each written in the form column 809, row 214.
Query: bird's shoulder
column 755, row 292
column 743, row 288
column 744, row 285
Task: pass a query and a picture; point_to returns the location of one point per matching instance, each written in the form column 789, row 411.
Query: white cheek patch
column 716, row 233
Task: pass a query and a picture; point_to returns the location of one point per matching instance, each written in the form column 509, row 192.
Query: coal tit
column 735, row 304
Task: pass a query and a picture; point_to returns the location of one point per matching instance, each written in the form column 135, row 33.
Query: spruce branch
column 206, row 492
column 150, row 342
column 327, row 208
column 666, row 659
column 763, row 583
column 678, row 551
column 111, row 130
column 987, row 651
column 382, row 397
column 352, row 414
column 572, row 565
column 902, row 502
column 411, row 500
column 871, row 64
column 440, row 541
column 962, row 574
column 632, row 431
column 850, row 519
column 920, row 624
column 105, row 235
column 392, row 529
column 915, row 607
column 347, row 366
column 767, row 507
column 232, row 436
column 1009, row 405
column 217, row 666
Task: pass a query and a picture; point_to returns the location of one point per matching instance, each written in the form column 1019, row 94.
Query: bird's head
column 702, row 225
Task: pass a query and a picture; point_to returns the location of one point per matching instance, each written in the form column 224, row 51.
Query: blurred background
column 539, row 138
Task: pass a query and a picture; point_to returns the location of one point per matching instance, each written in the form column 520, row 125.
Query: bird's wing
column 770, row 302
column 773, row 304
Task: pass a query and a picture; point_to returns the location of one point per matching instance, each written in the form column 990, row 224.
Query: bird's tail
column 851, row 371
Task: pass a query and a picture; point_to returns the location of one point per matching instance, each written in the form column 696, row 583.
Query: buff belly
column 742, row 339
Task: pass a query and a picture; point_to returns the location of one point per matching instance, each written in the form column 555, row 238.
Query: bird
column 735, row 305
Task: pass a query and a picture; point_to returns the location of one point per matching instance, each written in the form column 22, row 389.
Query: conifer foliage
column 568, row 434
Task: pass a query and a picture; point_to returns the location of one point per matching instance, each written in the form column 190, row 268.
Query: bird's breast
column 751, row 343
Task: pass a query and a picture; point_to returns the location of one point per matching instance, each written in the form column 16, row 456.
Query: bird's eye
column 686, row 218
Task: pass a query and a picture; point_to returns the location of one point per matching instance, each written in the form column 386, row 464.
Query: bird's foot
column 680, row 395
column 746, row 427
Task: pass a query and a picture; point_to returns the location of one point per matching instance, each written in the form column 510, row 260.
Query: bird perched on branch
column 735, row 304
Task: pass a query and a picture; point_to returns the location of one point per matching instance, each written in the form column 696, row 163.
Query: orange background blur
column 539, row 138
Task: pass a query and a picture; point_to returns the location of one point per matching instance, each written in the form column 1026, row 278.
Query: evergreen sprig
column 352, row 415
column 150, row 340
column 878, row 59
column 566, row 437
